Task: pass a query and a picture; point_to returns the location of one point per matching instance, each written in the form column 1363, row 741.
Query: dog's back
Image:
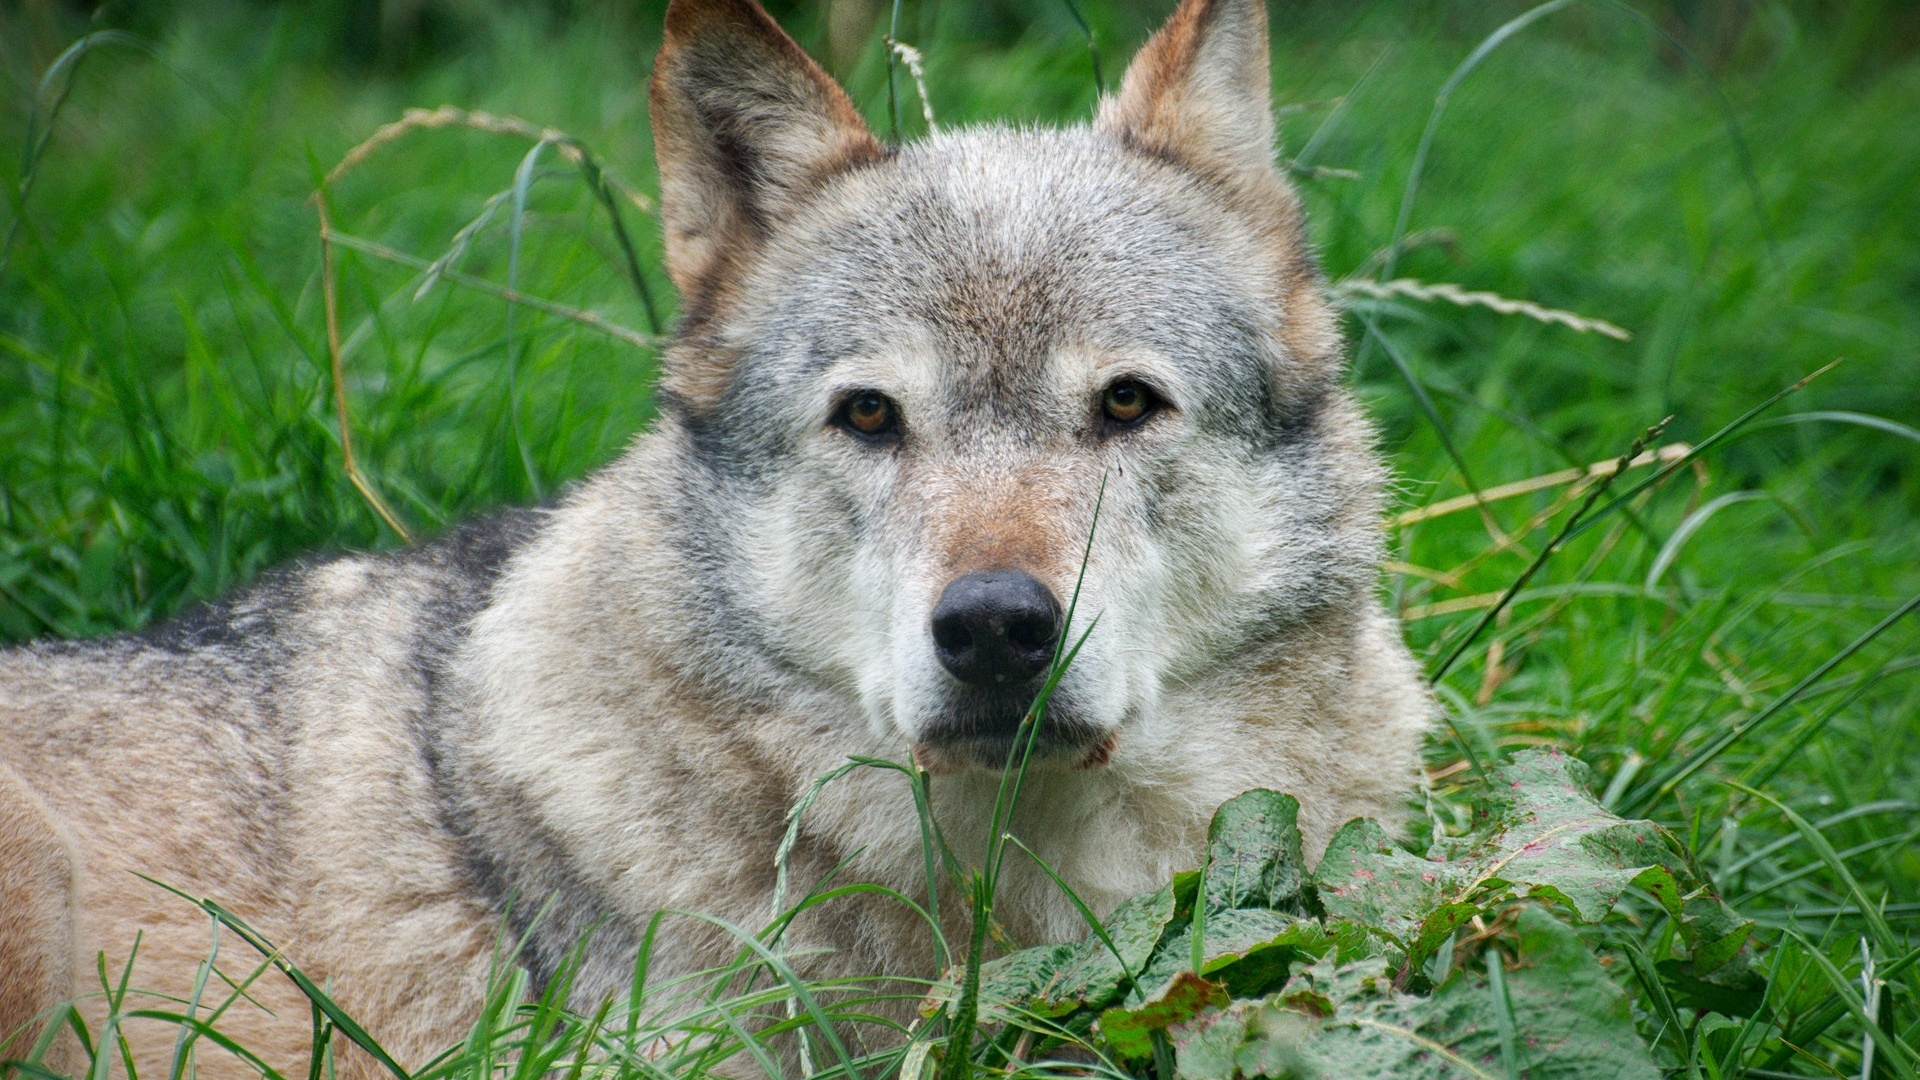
column 269, row 752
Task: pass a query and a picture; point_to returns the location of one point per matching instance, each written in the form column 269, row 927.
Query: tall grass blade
column 1425, row 401
column 1567, row 532
column 1664, row 784
column 580, row 315
column 1869, row 908
column 40, row 1072
column 1897, row 1058
column 1777, row 759
column 204, row 1030
column 602, row 189
column 1467, row 67
column 523, row 178
column 306, row 986
column 61, row 73
column 1699, row 448
column 318, row 1053
column 963, row 1018
column 1503, row 1013
column 1692, row 524
column 1655, row 991
column 1327, row 126
column 1885, row 806
column 116, row 996
column 1086, row 913
column 823, row 1023
column 1743, row 155
column 1093, row 47
column 183, row 1042
column 1815, row 1025
column 1840, row 416
column 57, row 1020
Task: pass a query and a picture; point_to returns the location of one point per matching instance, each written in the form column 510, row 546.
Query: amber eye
column 870, row 414
column 1128, row 402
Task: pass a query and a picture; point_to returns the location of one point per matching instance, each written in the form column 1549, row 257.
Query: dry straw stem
column 911, row 57
column 1454, row 578
column 447, row 116
column 513, row 296
column 1567, row 532
column 413, row 120
column 1580, row 477
column 331, row 301
column 1503, row 542
column 1412, row 289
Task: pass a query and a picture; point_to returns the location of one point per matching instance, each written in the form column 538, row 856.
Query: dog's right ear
column 744, row 124
column 1197, row 91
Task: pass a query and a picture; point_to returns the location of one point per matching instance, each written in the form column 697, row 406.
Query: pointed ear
column 1198, row 90
column 744, row 122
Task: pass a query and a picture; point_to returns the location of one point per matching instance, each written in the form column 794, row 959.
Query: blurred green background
column 1737, row 184
column 1747, row 208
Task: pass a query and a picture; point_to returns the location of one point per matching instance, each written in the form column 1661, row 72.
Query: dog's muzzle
column 996, row 632
column 983, row 731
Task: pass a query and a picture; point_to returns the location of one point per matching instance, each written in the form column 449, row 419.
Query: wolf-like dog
column 904, row 379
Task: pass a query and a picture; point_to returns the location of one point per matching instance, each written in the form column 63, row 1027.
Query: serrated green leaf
column 1365, row 878
column 1094, row 976
column 1574, row 1023
column 1246, row 1039
column 1208, row 1046
column 1540, row 835
column 1337, row 998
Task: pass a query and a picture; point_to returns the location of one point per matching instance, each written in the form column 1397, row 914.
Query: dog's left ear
column 1198, row 90
column 745, row 124
column 1198, row 94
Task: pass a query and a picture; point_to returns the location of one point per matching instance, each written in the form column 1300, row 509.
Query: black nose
column 995, row 628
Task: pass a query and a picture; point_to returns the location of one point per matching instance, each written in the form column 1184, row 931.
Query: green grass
column 168, row 423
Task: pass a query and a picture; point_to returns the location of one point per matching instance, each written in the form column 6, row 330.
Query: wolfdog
column 904, row 379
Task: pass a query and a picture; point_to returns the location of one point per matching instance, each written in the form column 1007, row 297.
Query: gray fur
column 575, row 717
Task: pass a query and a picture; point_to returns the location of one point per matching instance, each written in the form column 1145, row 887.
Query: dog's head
column 911, row 375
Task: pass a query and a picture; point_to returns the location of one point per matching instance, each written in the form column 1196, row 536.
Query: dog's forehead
column 1000, row 247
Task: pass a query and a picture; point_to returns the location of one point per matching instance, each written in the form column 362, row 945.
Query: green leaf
column 1017, row 983
column 1096, row 975
column 1250, row 951
column 1093, row 976
column 1245, row 1041
column 1053, row 980
column 1365, row 878
column 1129, row 1031
column 1254, row 854
column 1572, row 1020
column 1337, row 998
column 1540, row 835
